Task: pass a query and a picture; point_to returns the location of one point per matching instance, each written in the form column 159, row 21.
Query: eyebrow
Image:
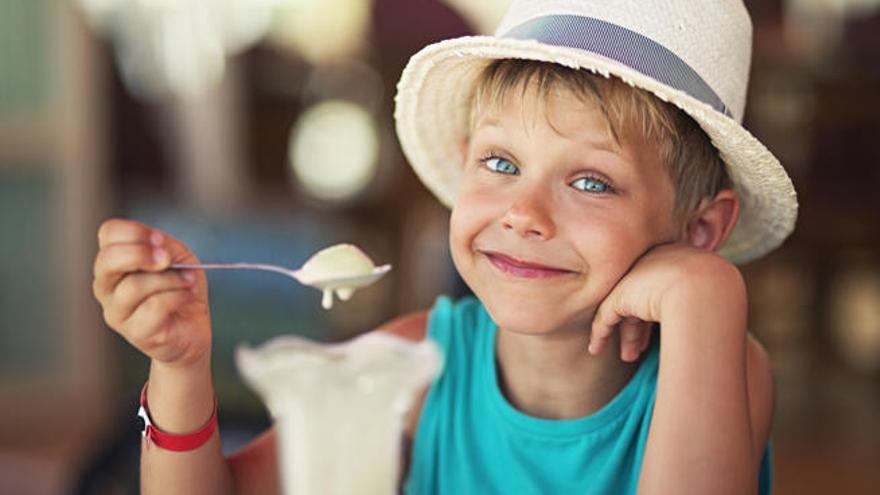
column 487, row 121
column 604, row 143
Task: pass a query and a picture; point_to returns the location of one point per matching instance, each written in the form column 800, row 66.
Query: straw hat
column 695, row 55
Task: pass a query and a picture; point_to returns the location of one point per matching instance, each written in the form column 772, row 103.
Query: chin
column 527, row 317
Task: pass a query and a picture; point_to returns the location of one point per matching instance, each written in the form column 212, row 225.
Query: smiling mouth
column 523, row 269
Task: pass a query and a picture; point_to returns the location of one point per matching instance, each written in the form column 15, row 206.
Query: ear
column 713, row 220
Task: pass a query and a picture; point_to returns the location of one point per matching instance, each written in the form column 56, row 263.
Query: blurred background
column 262, row 130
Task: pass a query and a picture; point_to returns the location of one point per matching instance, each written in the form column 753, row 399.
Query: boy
column 585, row 214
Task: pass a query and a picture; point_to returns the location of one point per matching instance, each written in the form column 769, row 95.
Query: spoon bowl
column 355, row 282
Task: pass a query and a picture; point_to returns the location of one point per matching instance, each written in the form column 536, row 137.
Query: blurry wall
column 262, row 131
column 54, row 367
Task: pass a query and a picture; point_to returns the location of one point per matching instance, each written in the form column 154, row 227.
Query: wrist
column 181, row 398
column 171, row 441
column 193, row 367
column 710, row 291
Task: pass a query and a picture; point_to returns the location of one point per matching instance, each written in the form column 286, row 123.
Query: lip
column 521, row 268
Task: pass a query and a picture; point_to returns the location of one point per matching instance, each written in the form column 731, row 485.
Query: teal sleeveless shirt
column 470, row 440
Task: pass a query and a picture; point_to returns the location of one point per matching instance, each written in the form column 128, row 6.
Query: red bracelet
column 170, row 441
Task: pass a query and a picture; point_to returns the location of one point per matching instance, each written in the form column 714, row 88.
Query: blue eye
column 501, row 166
column 592, row 185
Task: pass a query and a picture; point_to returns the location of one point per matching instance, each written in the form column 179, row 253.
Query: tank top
column 471, row 440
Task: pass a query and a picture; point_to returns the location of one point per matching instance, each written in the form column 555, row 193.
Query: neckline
column 611, row 413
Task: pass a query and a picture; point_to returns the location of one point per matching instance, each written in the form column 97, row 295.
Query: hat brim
column 433, row 110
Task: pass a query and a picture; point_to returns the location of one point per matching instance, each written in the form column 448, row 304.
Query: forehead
column 627, row 112
column 571, row 115
column 618, row 110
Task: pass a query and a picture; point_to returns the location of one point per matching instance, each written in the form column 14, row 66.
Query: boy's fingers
column 134, row 289
column 631, row 331
column 635, row 335
column 603, row 324
column 121, row 231
column 153, row 313
column 116, row 260
column 178, row 250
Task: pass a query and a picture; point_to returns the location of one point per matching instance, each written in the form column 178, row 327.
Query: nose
column 529, row 216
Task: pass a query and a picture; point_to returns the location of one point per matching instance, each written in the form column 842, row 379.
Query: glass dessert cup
column 339, row 408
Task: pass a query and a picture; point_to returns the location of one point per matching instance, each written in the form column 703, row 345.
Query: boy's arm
column 762, row 395
column 714, row 392
column 255, row 467
column 182, row 402
column 713, row 406
column 164, row 314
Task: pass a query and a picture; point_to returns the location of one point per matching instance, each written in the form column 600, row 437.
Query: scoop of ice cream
column 339, row 269
column 341, row 261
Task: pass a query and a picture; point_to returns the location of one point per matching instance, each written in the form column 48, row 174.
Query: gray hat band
column 622, row 45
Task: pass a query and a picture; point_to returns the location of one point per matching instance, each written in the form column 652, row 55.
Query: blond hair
column 692, row 162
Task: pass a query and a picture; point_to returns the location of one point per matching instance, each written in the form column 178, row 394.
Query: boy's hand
column 161, row 312
column 667, row 279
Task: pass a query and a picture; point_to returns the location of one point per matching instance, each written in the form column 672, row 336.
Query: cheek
column 610, row 246
column 473, row 211
column 461, row 234
column 463, row 227
column 457, row 233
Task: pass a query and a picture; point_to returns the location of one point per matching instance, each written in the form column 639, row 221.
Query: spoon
column 339, row 269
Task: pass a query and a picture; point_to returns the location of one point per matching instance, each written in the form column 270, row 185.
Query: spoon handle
column 236, row 266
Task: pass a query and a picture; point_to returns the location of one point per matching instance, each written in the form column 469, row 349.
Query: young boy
column 586, row 212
